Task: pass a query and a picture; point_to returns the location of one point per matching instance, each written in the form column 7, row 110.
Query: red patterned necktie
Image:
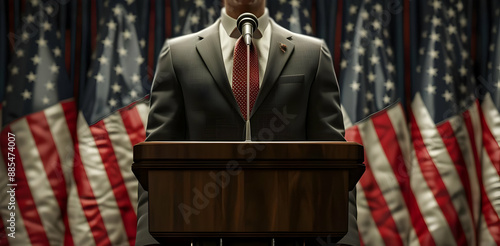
column 240, row 75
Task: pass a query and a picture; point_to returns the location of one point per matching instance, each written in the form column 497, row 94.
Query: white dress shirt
column 229, row 33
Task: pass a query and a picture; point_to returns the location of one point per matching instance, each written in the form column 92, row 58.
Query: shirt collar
column 229, row 24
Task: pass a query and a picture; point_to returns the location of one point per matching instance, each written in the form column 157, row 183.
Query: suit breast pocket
column 291, row 79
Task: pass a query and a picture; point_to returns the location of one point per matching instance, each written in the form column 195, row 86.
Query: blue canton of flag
column 443, row 69
column 192, row 16
column 37, row 77
column 118, row 72
column 493, row 85
column 368, row 74
column 294, row 15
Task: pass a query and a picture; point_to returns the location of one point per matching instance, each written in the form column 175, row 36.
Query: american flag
column 38, row 108
column 489, row 178
column 189, row 16
column 371, row 96
column 295, row 15
column 111, row 120
column 445, row 122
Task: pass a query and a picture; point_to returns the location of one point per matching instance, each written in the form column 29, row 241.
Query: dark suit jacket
column 191, row 99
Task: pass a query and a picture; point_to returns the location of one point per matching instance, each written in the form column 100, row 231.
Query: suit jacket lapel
column 276, row 61
column 210, row 51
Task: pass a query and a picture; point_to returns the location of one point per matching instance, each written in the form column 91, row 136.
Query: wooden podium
column 247, row 189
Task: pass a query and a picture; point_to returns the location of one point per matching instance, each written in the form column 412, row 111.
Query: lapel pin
column 283, row 47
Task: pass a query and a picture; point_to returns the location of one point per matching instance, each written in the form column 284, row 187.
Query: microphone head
column 247, row 18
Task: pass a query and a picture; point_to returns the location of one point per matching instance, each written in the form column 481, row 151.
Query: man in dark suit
column 195, row 96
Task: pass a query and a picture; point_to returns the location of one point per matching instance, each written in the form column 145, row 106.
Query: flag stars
column 111, row 25
column 448, row 62
column 358, row 68
column 343, row 64
column 49, row 10
column 353, row 9
column 371, row 77
column 364, row 15
column 432, row 71
column 369, row 96
column 349, row 27
column 363, row 33
column 448, row 79
column 31, row 77
column 463, row 22
column 14, row 70
column 449, row 46
column 42, row 42
column 386, row 99
column 122, row 51
column 355, row 86
column 463, row 71
column 99, row 78
column 126, row 35
column 9, row 88
column 49, row 86
column 133, row 94
column 30, row 18
column 112, row 102
column 118, row 70
column 389, row 85
column 436, row 5
column 117, row 10
column 295, row 3
column 292, row 20
column 26, row 95
column 430, row 89
column 498, row 84
column 20, row 53
column 107, row 42
column 361, row 50
column 452, row 29
column 57, row 52
column 116, row 88
column 378, row 42
column 308, row 29
column 436, row 21
column 451, row 13
column 374, row 59
column 447, row 95
column 391, row 68
column 195, row 19
column 434, row 54
column 46, row 26
column 463, row 88
column 435, row 37
column 129, row 2
column 142, row 43
column 131, row 18
column 199, row 3
column 378, row 7
column 139, row 60
column 45, row 100
column 135, row 78
column 278, row 16
column 54, row 68
column 347, row 45
column 460, row 6
column 376, row 25
column 182, row 12
column 103, row 60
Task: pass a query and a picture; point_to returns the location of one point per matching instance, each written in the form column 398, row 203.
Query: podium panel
column 247, row 189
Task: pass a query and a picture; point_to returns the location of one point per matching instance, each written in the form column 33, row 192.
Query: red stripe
column 70, row 113
column 490, row 215
column 338, row 38
column 477, row 163
column 77, row 52
column 151, row 39
column 168, row 19
column 27, row 206
column 436, row 184
column 52, row 164
column 389, row 142
column 88, row 202
column 133, row 124
column 103, row 144
column 375, row 198
column 453, row 147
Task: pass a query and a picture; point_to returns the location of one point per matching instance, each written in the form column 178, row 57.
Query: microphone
column 247, row 23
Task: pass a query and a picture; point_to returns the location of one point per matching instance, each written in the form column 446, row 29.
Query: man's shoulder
column 298, row 39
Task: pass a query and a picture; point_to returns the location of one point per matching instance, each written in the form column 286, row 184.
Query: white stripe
column 366, row 226
column 98, row 179
column 443, row 162
column 143, row 109
column 492, row 116
column 347, row 120
column 400, row 126
column 463, row 139
column 491, row 182
column 123, row 152
column 62, row 138
column 475, row 118
column 21, row 236
column 79, row 226
column 41, row 190
column 484, row 236
column 385, row 178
